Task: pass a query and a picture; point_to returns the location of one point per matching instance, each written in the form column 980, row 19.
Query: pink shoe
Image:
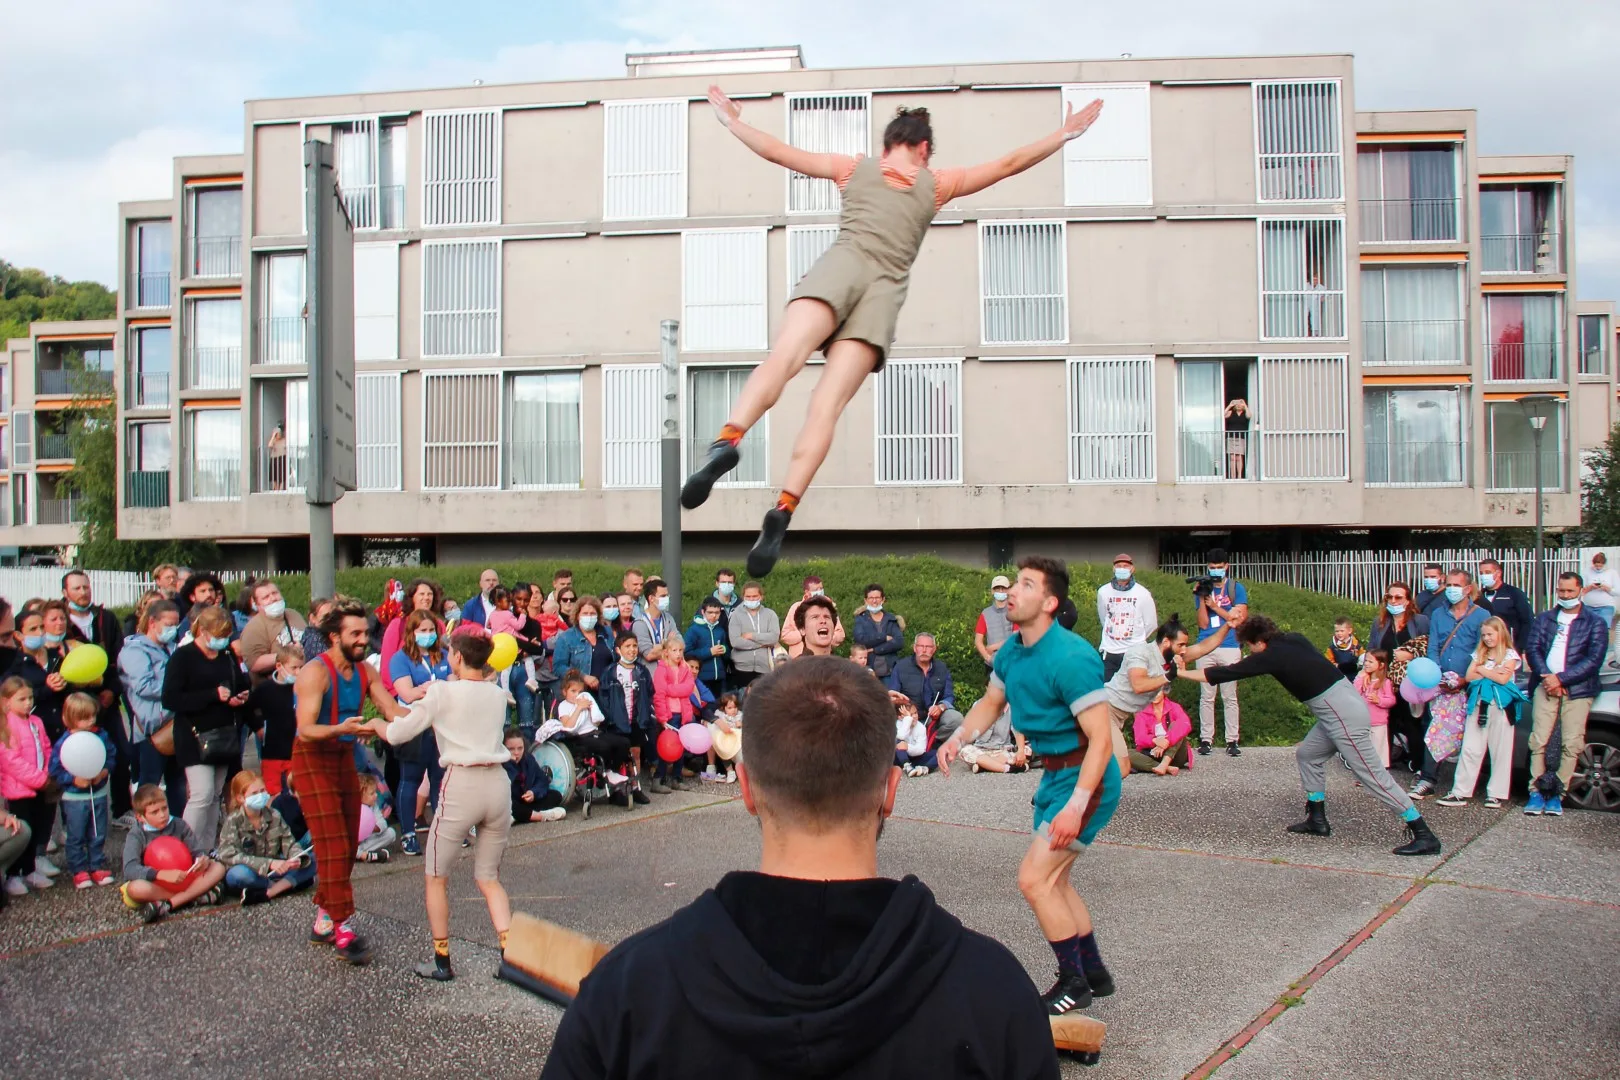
column 350, row 945
column 101, row 877
column 81, row 880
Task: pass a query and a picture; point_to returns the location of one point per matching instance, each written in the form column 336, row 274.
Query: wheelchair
column 577, row 772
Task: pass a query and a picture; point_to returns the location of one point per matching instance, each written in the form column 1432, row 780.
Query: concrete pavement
column 1240, row 950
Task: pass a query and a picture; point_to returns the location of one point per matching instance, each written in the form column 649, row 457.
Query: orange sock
column 732, row 434
column 787, row 501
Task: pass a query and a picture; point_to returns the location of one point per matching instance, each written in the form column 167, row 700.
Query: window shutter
column 461, row 297
column 644, row 168
column 1297, row 134
column 376, row 301
column 1111, row 417
column 461, row 168
column 1023, row 285
column 1304, row 418
column 919, row 422
column 825, row 124
column 1112, row 163
column 377, row 430
column 461, row 430
column 631, row 399
column 723, row 283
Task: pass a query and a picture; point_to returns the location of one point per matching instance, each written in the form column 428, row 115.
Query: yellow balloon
column 84, row 665
column 505, row 653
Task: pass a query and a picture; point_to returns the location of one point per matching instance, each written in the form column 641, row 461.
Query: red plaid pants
column 329, row 794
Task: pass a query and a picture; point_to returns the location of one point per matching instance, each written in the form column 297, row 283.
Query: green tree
column 1600, row 496
column 30, row 295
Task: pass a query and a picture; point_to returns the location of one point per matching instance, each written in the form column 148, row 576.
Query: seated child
column 373, row 844
column 703, row 698
column 533, row 798
column 155, row 893
column 270, row 705
column 911, row 750
column 578, row 722
column 1161, row 731
column 725, row 738
column 85, row 803
column 256, row 846
column 1345, row 650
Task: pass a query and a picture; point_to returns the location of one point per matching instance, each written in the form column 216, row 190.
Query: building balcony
column 69, row 511
column 1414, row 341
column 1523, row 361
column 1212, row 456
column 1515, row 470
column 149, row 390
column 281, row 340
column 1521, row 253
column 279, row 472
column 68, row 381
column 216, row 256
column 215, row 480
column 149, row 289
column 1433, row 463
column 215, row 367
column 147, row 489
column 1408, row 221
column 54, row 447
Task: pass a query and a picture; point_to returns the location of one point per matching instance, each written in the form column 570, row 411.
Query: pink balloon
column 368, row 821
column 695, row 738
column 1412, row 694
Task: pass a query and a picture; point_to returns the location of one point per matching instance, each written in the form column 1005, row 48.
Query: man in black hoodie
column 814, row 966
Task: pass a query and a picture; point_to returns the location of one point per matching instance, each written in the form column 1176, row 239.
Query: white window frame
column 189, row 459
column 431, row 217
column 613, row 412
column 756, row 443
column 1360, row 269
column 508, row 398
column 1079, row 152
column 1144, row 377
column 363, row 444
column 879, row 436
column 1035, row 226
column 1557, row 482
column 497, row 442
column 1266, row 432
column 500, row 285
column 820, row 237
column 751, row 310
column 1379, row 150
column 611, row 110
column 1338, row 131
column 1342, row 292
column 1605, row 344
column 1464, row 404
column 817, row 189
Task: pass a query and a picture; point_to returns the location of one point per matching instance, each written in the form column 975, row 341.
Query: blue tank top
column 351, row 697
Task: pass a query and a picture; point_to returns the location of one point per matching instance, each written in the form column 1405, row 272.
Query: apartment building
column 1378, row 294
column 42, row 377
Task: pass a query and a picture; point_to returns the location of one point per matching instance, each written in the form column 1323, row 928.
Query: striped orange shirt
column 947, row 182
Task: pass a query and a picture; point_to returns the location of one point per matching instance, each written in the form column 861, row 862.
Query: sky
column 101, row 94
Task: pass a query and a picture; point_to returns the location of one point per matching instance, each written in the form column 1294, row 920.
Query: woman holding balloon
column 42, row 635
column 1402, row 631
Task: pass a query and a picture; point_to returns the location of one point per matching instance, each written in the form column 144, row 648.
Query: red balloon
column 169, row 853
column 669, row 745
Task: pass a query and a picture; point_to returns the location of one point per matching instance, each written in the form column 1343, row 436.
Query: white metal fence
column 1363, row 575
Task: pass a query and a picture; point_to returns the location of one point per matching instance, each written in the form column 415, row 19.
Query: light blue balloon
column 1423, row 673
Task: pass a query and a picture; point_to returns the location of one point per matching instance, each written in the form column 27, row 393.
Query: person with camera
column 1222, row 605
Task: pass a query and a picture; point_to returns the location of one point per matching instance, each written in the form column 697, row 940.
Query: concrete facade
column 1070, row 340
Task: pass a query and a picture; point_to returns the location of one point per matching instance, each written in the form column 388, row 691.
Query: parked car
column 1596, row 783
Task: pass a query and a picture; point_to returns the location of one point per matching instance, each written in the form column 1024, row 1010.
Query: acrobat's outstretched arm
column 979, row 177
column 771, row 148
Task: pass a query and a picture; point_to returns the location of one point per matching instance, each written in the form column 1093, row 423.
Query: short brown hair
column 819, row 742
column 343, row 607
column 1054, row 571
column 80, row 708
column 473, row 645
column 147, row 796
column 910, row 127
column 291, row 655
column 814, row 602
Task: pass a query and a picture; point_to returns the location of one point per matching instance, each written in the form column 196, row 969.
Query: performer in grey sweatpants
column 1342, row 726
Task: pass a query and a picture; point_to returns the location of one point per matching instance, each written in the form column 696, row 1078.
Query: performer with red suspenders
column 330, row 695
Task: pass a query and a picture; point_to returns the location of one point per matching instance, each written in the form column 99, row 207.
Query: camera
column 1204, row 585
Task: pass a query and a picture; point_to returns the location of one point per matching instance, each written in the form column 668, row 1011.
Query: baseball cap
column 1000, row 582
column 1124, row 557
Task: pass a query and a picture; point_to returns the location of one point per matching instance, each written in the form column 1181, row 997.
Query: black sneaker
column 379, row 856
column 252, row 897
column 639, row 797
column 1070, row 992
column 154, row 910
column 723, row 457
column 438, row 969
column 768, row 548
column 1100, row 981
column 1203, row 748
column 619, row 798
column 1232, row 750
column 351, row 947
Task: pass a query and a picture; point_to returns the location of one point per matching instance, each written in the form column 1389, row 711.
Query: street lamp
column 1538, row 409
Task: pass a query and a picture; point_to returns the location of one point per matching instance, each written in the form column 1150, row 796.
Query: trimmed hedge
column 929, row 594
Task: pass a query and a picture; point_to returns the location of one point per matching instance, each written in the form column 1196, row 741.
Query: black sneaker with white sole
column 1204, row 748
column 1232, row 750
column 1070, row 992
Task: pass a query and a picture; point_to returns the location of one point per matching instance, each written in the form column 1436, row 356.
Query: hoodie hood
column 878, row 975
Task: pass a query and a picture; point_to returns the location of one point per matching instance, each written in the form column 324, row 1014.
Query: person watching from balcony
column 276, row 450
column 1238, row 421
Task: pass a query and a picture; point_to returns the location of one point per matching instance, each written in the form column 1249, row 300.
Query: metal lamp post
column 1538, row 408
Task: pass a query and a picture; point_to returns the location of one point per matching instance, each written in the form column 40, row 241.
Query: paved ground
column 1241, row 951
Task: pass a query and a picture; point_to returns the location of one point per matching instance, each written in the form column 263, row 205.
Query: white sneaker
column 556, row 813
column 16, row 886
column 46, row 867
column 37, row 880
column 731, row 776
column 616, row 777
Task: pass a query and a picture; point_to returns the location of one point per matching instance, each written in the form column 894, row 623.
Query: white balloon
column 83, row 755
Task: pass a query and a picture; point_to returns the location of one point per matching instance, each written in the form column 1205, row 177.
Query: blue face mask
column 167, row 634
column 80, row 608
column 218, row 644
column 1569, row 603
column 147, row 826
column 426, row 638
column 751, row 605
column 1395, row 609
column 1122, row 573
column 1217, row 572
column 54, row 639
column 587, row 622
column 999, row 597
column 725, row 589
column 1487, row 581
column 874, row 608
column 1454, row 594
column 34, row 642
column 609, row 613
column 1431, row 584
column 257, row 801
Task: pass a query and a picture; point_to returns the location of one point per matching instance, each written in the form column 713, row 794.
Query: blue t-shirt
column 1048, row 685
column 1226, row 597
column 420, row 674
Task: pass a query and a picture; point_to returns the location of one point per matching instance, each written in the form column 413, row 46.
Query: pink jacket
column 504, row 622
column 1176, row 725
column 24, row 764
column 1379, row 702
column 672, row 692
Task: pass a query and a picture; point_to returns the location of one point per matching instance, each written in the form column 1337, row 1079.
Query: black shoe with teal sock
column 723, row 457
column 768, row 548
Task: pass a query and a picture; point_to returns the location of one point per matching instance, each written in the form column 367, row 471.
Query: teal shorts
column 1057, row 787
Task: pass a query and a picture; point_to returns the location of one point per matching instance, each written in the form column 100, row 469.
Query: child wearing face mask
column 257, row 847
column 155, row 893
column 25, row 754
column 274, row 716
